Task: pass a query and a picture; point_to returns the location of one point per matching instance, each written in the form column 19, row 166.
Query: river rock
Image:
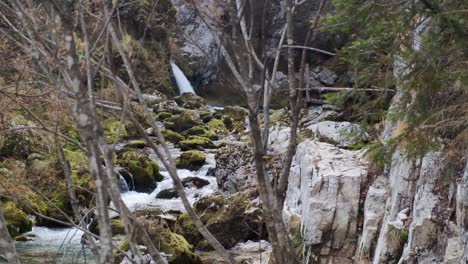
column 17, row 221
column 324, row 189
column 191, row 101
column 194, row 182
column 145, row 171
column 342, row 134
column 191, row 160
column 186, row 120
column 167, row 194
column 169, row 106
column 196, row 143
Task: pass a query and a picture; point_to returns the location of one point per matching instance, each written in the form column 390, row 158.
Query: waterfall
column 182, row 81
column 123, row 184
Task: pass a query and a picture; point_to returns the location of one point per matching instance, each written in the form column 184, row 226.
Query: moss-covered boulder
column 186, row 120
column 172, row 136
column 168, row 106
column 144, row 170
column 201, row 131
column 180, row 251
column 117, row 227
column 191, row 101
column 196, row 142
column 230, row 220
column 164, row 115
column 16, row 220
column 114, row 130
column 16, row 144
column 191, row 160
column 135, row 144
column 217, row 126
column 237, row 113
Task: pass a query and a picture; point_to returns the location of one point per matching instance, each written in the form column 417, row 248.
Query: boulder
column 16, row 220
column 172, row 136
column 164, row 115
column 190, row 101
column 136, row 144
column 145, row 171
column 186, row 120
column 175, row 245
column 167, row 194
column 194, row 182
column 342, row 134
column 230, row 220
column 169, row 106
column 217, row 126
column 234, row 169
column 191, row 160
column 325, row 76
column 237, row 113
column 201, row 131
column 196, row 142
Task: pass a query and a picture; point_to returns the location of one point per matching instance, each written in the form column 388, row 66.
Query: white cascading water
column 182, row 82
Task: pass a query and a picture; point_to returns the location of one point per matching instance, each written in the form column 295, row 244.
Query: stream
column 62, row 245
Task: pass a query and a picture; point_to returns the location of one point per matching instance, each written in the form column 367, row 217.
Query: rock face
column 324, row 189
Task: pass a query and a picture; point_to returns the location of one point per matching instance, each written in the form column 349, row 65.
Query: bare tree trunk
column 7, row 245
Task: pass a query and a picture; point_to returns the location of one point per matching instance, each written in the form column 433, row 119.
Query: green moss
column 172, row 136
column 191, row 160
column 17, row 221
column 201, row 131
column 164, row 115
column 114, row 130
column 144, row 170
column 217, row 126
column 196, row 142
column 186, row 120
column 237, row 113
column 138, row 144
column 185, row 227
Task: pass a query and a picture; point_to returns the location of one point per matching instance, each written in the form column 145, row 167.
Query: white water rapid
column 182, row 82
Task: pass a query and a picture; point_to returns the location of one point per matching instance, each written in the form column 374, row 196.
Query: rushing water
column 182, row 82
column 63, row 245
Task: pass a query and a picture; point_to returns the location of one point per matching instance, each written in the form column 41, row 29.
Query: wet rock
column 196, row 143
column 164, row 115
column 194, row 182
column 191, row 160
column 167, row 194
column 144, row 170
column 186, row 120
column 343, row 134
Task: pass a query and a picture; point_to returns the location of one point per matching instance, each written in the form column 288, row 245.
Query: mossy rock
column 16, row 220
column 168, row 106
column 190, row 101
column 136, row 144
column 164, row 115
column 228, row 122
column 144, row 170
column 172, row 136
column 186, row 120
column 201, row 131
column 191, row 160
column 117, row 227
column 197, row 143
column 217, row 126
column 228, row 218
column 114, row 130
column 237, row 113
column 169, row 125
column 180, row 251
column 17, row 144
column 167, row 194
